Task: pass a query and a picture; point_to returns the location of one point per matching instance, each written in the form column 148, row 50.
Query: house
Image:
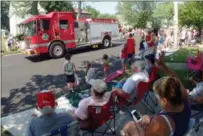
column 15, row 21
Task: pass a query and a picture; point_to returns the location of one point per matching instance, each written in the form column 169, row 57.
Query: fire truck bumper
column 31, row 52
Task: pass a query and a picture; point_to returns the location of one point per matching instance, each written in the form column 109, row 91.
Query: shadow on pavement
column 24, row 98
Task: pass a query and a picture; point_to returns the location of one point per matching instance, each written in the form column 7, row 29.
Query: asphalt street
column 23, row 77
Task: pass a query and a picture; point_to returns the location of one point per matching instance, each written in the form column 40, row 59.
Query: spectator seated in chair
column 174, row 118
column 129, row 86
column 49, row 120
column 150, row 61
column 98, row 97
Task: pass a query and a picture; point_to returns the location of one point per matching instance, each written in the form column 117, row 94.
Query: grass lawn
column 183, row 77
column 181, row 55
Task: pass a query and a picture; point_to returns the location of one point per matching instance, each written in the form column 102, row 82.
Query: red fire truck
column 56, row 32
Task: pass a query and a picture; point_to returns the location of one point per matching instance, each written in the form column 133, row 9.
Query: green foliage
column 191, row 14
column 95, row 13
column 105, row 15
column 163, row 14
column 138, row 18
column 21, row 9
column 20, row 37
column 5, row 15
column 34, row 8
column 50, row 6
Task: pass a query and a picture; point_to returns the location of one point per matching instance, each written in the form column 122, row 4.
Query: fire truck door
column 66, row 29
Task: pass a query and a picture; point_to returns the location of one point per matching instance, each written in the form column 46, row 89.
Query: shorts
column 106, row 68
column 123, row 60
column 130, row 55
column 70, row 78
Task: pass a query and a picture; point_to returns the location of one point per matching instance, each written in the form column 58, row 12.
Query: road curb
column 11, row 54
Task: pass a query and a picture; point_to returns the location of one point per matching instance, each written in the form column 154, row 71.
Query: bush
column 20, row 37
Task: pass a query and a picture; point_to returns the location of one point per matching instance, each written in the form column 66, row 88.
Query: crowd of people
column 188, row 37
column 173, row 98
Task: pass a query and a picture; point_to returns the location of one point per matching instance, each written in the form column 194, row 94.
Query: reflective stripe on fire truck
column 32, row 46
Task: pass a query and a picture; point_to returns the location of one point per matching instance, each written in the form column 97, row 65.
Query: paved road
column 22, row 77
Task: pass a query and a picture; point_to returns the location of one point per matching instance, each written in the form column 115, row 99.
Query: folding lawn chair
column 191, row 57
column 198, row 116
column 194, row 66
column 123, row 100
column 142, row 91
column 71, row 129
column 99, row 116
column 152, row 78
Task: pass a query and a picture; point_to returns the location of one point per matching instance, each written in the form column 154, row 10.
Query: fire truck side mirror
column 75, row 24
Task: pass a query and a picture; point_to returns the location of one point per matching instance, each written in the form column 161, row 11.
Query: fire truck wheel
column 106, row 42
column 56, row 50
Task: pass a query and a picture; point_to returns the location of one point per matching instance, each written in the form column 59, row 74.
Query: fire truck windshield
column 30, row 28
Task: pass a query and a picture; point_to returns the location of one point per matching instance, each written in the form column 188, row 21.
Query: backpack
column 69, row 68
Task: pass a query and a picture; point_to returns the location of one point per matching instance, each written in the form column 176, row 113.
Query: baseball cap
column 46, row 98
column 98, row 84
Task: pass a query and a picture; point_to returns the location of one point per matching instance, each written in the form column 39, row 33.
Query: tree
column 50, row 6
column 34, row 8
column 95, row 13
column 24, row 8
column 191, row 15
column 163, row 13
column 21, row 8
column 106, row 15
column 138, row 18
column 5, row 14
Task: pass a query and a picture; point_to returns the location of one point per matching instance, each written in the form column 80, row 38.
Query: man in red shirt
column 130, row 47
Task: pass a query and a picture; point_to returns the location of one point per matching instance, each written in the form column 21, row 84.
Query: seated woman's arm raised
column 170, row 72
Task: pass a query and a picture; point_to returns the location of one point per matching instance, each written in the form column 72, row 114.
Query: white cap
column 139, row 64
column 98, row 84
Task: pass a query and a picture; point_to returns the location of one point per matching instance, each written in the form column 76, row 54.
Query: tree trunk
column 34, row 8
column 79, row 10
column 200, row 34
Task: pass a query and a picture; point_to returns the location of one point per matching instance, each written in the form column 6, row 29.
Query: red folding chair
column 123, row 100
column 99, row 116
column 191, row 57
column 194, row 66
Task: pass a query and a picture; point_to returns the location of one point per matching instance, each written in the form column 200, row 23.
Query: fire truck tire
column 56, row 50
column 106, row 43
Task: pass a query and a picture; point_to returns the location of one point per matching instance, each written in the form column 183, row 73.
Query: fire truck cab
column 56, row 32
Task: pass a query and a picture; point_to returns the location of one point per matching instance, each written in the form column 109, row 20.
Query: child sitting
column 69, row 69
column 105, row 62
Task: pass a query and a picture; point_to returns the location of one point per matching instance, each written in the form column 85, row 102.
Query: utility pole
column 176, row 24
column 79, row 10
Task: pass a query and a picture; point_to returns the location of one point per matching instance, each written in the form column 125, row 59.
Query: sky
column 104, row 7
